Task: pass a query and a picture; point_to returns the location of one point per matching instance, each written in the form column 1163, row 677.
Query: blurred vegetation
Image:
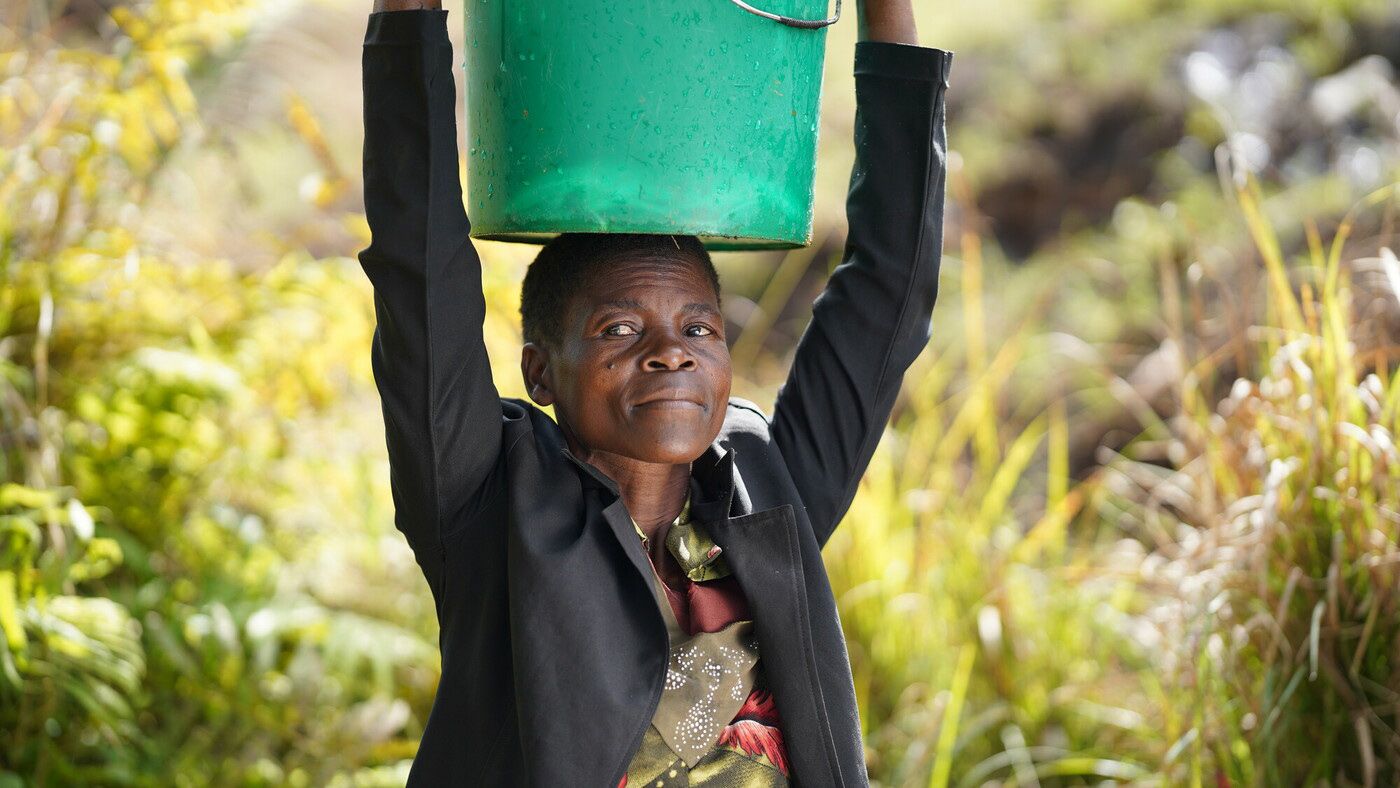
column 1134, row 521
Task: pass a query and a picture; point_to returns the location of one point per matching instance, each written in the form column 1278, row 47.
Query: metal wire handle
column 789, row 21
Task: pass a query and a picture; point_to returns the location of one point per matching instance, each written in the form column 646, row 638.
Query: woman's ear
column 534, row 365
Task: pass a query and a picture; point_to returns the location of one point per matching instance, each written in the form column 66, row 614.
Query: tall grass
column 1216, row 604
column 983, row 644
column 1274, row 533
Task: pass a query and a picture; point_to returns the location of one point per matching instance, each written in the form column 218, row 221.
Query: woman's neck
column 653, row 493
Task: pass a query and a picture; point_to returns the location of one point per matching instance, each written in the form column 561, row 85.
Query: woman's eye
column 625, row 330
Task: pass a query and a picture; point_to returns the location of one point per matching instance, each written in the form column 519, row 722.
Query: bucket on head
column 694, row 117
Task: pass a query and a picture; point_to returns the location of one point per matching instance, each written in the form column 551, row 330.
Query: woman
column 634, row 594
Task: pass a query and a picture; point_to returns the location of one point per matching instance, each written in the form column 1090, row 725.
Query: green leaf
column 17, row 495
column 948, row 728
column 9, row 614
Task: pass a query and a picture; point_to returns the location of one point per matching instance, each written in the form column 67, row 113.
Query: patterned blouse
column 716, row 724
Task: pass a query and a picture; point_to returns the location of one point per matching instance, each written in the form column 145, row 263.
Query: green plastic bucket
column 694, row 117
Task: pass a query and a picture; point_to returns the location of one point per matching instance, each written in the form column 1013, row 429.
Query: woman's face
column 643, row 368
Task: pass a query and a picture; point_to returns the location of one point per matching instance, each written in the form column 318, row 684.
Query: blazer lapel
column 619, row 520
column 762, row 551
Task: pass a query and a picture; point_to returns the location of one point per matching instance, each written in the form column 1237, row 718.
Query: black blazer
column 553, row 649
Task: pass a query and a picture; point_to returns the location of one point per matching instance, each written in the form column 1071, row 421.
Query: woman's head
column 624, row 337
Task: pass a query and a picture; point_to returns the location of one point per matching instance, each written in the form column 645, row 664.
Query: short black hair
column 567, row 263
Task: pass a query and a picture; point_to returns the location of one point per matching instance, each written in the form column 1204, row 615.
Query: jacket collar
column 711, row 481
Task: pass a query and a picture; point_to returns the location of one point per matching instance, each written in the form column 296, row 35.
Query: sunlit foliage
column 156, row 628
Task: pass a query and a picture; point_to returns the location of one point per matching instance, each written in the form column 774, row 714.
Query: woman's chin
column 675, row 455
column 672, row 448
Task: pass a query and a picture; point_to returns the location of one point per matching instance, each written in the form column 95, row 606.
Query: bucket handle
column 789, row 21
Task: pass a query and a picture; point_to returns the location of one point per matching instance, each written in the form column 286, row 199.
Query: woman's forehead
column 650, row 279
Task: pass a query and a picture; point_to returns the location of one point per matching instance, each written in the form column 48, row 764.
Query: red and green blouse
column 716, row 724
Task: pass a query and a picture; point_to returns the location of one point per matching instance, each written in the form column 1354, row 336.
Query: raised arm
column 442, row 416
column 873, row 318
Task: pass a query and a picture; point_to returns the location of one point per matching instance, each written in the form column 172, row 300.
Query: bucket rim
column 712, row 242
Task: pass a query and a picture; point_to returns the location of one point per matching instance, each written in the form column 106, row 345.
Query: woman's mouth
column 670, row 404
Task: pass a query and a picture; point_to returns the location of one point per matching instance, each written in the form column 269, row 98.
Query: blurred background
column 1134, row 521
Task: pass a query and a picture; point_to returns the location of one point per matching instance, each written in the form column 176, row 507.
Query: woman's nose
column 669, row 352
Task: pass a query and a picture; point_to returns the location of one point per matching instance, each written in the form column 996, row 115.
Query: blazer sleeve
column 873, row 317
column 442, row 414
